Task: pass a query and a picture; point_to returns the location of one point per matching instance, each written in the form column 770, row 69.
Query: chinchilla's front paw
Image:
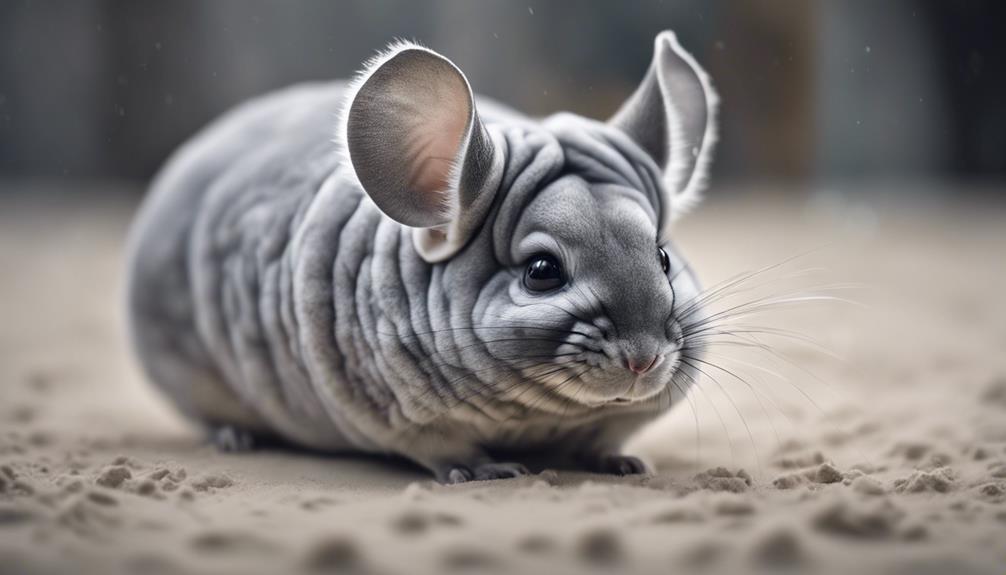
column 480, row 472
column 231, row 439
column 614, row 464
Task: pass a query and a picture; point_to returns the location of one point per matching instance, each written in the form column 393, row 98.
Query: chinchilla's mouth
column 632, row 399
column 613, row 401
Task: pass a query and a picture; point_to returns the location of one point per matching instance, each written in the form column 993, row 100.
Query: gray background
column 822, row 92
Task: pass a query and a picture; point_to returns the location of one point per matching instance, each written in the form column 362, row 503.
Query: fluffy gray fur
column 366, row 294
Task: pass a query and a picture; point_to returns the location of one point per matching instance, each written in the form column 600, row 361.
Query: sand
column 881, row 447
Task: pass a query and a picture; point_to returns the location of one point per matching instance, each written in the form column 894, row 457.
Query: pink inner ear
column 436, row 133
column 405, row 128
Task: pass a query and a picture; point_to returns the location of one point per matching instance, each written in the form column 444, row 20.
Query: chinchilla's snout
column 648, row 344
column 640, row 305
column 643, row 354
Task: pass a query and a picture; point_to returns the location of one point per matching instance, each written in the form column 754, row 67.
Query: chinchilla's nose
column 642, row 355
column 641, row 365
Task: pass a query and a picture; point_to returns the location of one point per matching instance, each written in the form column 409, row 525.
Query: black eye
column 543, row 273
column 665, row 260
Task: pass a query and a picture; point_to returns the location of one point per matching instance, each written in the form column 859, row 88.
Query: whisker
column 772, row 352
column 737, row 410
column 566, row 311
column 479, row 328
column 570, row 400
column 506, row 340
column 695, row 416
column 708, row 297
column 768, row 393
column 751, row 342
column 450, row 384
column 533, row 385
column 726, row 432
column 707, row 333
column 428, row 362
column 813, row 290
column 741, row 278
column 545, row 392
column 757, row 395
column 768, row 302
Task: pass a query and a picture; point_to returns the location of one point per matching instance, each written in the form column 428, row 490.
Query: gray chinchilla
column 445, row 279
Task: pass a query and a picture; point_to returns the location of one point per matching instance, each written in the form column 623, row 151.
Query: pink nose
column 641, row 365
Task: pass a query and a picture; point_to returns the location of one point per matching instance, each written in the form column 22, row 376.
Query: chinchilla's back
column 268, row 155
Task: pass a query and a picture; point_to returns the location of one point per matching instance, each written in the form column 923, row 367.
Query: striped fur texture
column 273, row 287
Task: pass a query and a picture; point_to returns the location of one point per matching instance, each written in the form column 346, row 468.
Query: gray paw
column 459, row 474
column 230, row 439
column 499, row 471
column 617, row 465
column 483, row 472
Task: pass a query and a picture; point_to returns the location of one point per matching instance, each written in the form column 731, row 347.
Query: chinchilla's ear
column 417, row 146
column 672, row 115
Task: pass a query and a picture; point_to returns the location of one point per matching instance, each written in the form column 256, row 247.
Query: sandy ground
column 880, row 448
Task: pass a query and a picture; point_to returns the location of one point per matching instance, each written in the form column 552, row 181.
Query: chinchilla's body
column 442, row 279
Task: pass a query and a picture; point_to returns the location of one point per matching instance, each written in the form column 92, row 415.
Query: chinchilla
column 445, row 279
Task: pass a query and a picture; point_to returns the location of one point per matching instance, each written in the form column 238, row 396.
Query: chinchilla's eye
column 665, row 260
column 543, row 273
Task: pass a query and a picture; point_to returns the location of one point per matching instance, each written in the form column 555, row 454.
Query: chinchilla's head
column 561, row 286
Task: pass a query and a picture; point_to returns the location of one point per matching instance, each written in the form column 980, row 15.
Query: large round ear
column 672, row 115
column 417, row 146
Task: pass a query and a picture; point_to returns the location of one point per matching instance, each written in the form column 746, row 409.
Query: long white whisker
column 707, row 334
column 726, row 432
column 739, row 279
column 744, row 421
column 757, row 394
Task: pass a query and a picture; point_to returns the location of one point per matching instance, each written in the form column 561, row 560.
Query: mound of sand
column 888, row 458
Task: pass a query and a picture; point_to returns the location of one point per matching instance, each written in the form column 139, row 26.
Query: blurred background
column 831, row 93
